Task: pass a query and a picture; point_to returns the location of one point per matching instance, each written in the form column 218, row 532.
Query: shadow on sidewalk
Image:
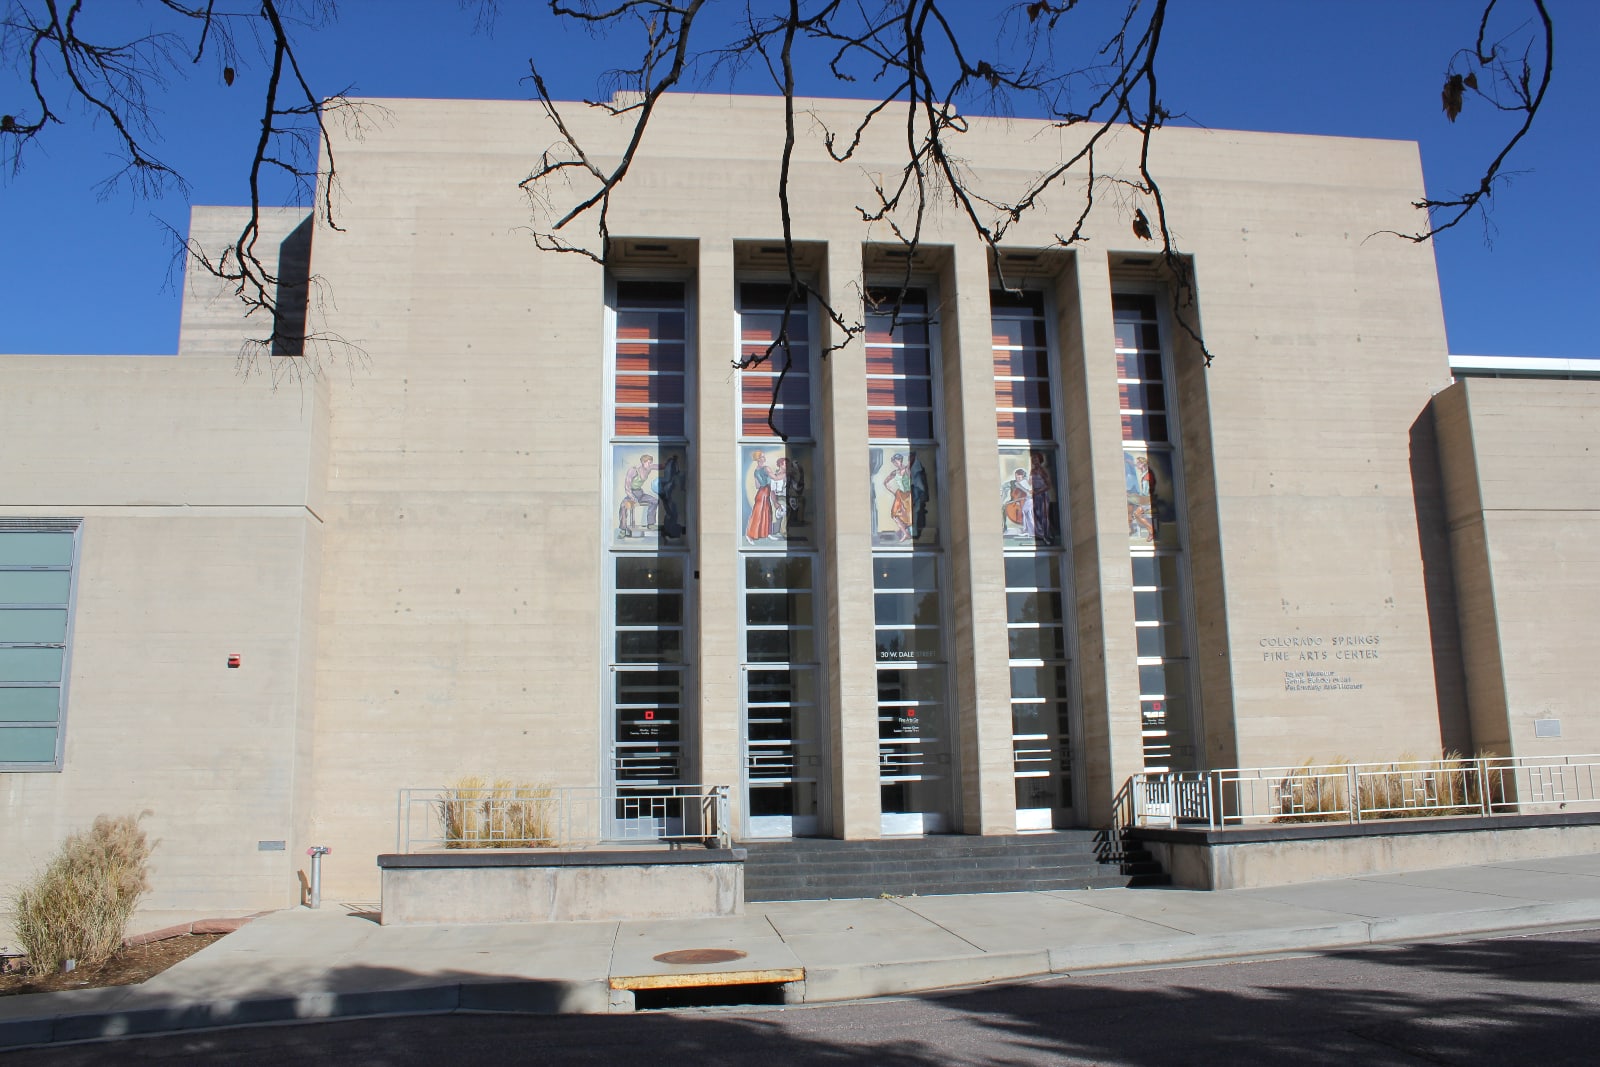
column 1523, row 999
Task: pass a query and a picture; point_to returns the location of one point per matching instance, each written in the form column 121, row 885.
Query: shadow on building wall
column 1438, row 580
column 294, row 286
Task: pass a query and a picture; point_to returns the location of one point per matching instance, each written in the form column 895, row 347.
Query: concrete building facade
column 980, row 561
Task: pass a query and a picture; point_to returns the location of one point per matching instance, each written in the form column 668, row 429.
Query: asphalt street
column 1530, row 998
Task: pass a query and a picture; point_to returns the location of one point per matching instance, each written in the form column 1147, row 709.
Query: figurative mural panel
column 1152, row 505
column 905, row 506
column 651, row 493
column 1030, row 511
column 777, row 508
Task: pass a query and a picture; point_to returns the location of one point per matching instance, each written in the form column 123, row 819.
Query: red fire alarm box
column 233, row 659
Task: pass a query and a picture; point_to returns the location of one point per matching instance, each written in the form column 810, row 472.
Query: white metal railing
column 562, row 817
column 1361, row 792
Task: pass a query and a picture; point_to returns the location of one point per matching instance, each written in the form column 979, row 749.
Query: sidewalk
column 302, row 964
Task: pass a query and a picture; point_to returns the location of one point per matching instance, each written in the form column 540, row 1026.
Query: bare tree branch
column 799, row 288
column 1507, row 85
column 111, row 82
column 922, row 69
column 667, row 31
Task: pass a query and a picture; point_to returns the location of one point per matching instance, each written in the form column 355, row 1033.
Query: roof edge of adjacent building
column 1524, row 367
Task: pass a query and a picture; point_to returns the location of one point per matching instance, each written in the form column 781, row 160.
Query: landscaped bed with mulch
column 130, row 966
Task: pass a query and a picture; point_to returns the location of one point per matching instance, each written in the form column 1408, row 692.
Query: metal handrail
column 562, row 816
column 1360, row 792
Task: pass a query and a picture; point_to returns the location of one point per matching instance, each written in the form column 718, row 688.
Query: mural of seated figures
column 652, row 494
column 1029, row 510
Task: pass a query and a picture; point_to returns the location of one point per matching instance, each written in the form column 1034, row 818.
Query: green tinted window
column 35, row 604
column 35, row 587
column 28, row 744
column 33, row 704
column 29, row 548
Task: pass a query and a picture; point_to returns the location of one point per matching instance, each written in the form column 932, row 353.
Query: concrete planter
column 1255, row 856
column 538, row 885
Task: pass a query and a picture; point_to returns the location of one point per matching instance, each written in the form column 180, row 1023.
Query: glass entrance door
column 914, row 764
column 1041, row 738
column 782, row 758
column 783, row 722
column 913, row 751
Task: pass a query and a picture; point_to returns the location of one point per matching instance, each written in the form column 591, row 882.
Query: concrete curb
column 1195, row 948
column 1418, row 927
column 856, row 982
column 530, row 996
column 823, row 984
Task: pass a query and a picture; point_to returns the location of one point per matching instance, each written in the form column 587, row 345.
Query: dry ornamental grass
column 507, row 814
column 78, row 907
column 1403, row 789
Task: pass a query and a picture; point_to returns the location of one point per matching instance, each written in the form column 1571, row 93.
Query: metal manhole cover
column 700, row 955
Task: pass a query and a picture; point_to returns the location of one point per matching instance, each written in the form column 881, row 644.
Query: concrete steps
column 823, row 868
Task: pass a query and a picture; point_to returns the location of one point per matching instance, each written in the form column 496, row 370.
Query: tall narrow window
column 914, row 752
column 37, row 558
column 650, row 538
column 1029, row 502
column 778, row 520
column 1155, row 536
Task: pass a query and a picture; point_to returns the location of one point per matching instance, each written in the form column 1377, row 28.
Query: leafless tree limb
column 667, row 30
column 111, row 82
column 1508, row 84
column 922, row 71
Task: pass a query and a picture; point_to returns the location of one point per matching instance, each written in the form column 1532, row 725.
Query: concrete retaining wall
column 1250, row 858
column 508, row 886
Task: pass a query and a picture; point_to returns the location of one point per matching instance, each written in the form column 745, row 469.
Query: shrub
column 78, row 906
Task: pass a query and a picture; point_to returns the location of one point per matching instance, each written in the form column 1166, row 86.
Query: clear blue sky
column 81, row 274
